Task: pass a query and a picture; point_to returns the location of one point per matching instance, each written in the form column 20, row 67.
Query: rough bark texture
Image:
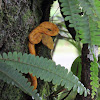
column 85, row 75
column 17, row 19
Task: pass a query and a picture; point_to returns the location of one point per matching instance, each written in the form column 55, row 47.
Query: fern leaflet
column 97, row 6
column 94, row 76
column 91, row 8
column 71, row 10
column 89, row 31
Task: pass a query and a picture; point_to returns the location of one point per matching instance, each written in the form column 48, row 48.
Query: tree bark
column 85, row 75
column 17, row 19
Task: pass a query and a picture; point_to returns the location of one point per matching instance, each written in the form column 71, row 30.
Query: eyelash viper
column 43, row 33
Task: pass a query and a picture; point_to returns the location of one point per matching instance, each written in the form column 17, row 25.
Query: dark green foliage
column 41, row 67
column 76, row 67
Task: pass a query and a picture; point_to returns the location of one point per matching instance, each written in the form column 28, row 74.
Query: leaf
column 89, row 31
column 94, row 76
column 86, row 25
column 91, row 7
column 76, row 67
column 10, row 75
column 71, row 9
column 46, row 69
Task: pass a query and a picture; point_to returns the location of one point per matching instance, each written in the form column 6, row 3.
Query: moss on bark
column 17, row 19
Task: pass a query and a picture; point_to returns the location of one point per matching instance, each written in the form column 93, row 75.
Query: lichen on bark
column 17, row 19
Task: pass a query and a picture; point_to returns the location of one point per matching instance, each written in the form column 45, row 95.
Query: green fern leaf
column 46, row 69
column 11, row 76
column 89, row 31
column 94, row 77
column 91, row 8
column 97, row 6
column 71, row 9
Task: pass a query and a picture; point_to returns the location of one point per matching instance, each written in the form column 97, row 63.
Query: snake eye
column 49, row 29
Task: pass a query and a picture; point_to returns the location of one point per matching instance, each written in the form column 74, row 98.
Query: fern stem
column 67, row 95
column 54, row 94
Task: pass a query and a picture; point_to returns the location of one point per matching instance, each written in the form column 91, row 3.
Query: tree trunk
column 85, row 75
column 17, row 19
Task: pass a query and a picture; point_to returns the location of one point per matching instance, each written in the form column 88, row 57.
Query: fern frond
column 91, row 8
column 70, row 8
column 89, row 31
column 46, row 69
column 11, row 76
column 94, row 76
column 86, row 28
column 97, row 7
